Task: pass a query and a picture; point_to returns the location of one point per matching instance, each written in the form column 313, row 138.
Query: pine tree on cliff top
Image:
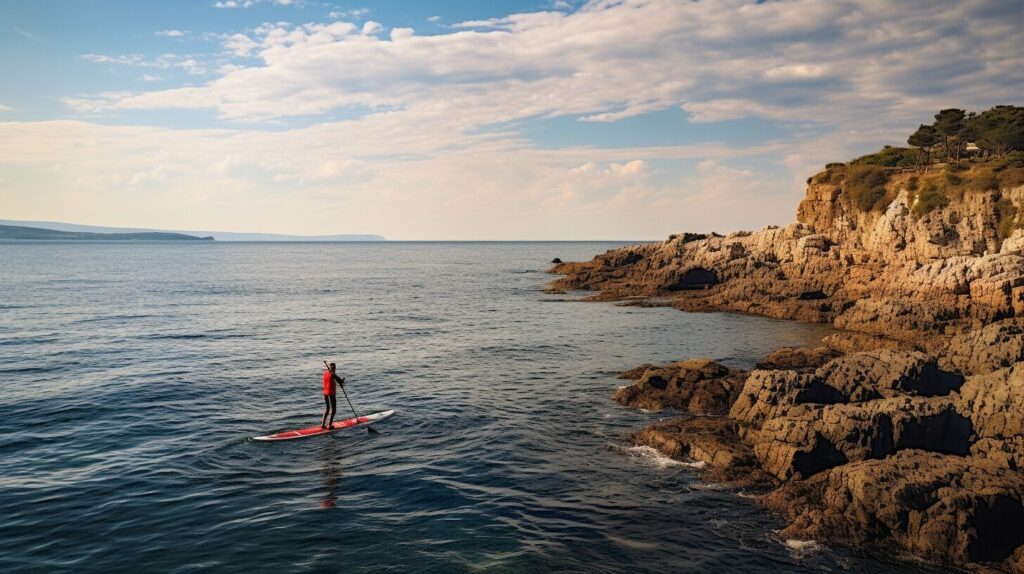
column 948, row 124
column 924, row 138
column 1000, row 129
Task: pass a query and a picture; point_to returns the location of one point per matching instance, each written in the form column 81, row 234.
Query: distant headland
column 53, row 230
column 22, row 233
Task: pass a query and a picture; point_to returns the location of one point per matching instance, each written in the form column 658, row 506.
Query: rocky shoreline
column 907, row 426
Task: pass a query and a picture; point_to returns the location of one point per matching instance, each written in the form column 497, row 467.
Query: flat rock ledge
column 875, row 447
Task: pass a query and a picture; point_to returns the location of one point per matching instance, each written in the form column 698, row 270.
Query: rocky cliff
column 906, row 428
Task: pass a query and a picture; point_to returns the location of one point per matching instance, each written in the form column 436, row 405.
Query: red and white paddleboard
column 337, row 426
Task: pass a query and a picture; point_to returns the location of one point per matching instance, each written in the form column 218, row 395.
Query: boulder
column 944, row 507
column 708, row 440
column 698, row 386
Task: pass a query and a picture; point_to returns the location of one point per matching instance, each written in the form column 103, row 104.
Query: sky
column 468, row 120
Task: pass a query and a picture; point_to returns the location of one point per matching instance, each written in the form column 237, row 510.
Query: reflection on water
column 331, row 466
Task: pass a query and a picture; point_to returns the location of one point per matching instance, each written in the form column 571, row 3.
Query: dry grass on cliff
column 938, row 189
column 866, row 186
column 871, row 182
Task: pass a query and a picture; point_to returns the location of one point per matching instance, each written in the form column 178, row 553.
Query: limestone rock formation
column 867, row 447
column 905, row 428
column 890, row 273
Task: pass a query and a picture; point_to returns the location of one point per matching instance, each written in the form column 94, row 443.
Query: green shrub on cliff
column 1009, row 170
column 985, row 180
column 1006, row 211
column 1014, row 159
column 834, row 173
column 889, row 156
column 928, row 198
column 864, row 185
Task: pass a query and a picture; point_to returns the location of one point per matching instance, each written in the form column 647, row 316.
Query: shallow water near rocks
column 132, row 377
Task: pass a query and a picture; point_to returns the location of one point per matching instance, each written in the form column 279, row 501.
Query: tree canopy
column 995, row 131
column 1000, row 129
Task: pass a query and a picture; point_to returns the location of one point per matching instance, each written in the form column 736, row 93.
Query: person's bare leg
column 334, row 407
column 327, row 409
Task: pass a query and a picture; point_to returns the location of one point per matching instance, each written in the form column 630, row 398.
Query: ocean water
column 133, row 376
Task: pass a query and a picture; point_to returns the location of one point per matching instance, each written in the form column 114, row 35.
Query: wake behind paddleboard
column 337, row 426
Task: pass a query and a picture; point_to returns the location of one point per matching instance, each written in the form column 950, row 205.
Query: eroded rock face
column 874, row 446
column 907, row 428
column 890, row 273
column 995, row 403
column 992, row 347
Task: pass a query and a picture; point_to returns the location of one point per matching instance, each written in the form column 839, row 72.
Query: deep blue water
column 133, row 375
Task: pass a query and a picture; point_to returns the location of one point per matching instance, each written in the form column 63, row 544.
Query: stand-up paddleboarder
column 330, row 391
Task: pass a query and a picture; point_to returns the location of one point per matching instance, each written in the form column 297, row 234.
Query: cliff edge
column 905, row 428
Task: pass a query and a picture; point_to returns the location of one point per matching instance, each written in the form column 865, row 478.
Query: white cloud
column 796, row 72
column 240, row 44
column 344, row 175
column 611, row 60
column 4, row 108
column 171, row 33
column 189, row 64
column 398, row 34
column 730, row 109
column 251, row 3
column 151, row 78
column 862, row 74
column 725, row 198
column 434, row 18
column 371, row 27
column 126, row 59
column 354, row 14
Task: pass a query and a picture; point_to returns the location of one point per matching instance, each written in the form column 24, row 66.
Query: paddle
column 369, row 429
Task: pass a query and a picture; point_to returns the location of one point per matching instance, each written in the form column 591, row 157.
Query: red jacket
column 330, row 387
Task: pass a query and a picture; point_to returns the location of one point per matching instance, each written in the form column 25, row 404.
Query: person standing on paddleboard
column 330, row 391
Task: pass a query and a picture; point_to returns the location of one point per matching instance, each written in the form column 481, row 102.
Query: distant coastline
column 23, row 233
column 74, row 228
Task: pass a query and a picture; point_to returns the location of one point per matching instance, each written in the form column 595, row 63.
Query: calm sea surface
column 132, row 376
